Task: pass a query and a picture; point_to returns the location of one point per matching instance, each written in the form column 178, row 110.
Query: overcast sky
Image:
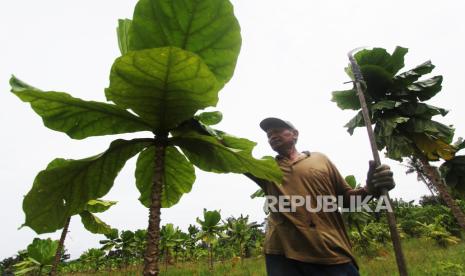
column 293, row 55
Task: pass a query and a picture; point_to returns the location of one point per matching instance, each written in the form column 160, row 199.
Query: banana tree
column 176, row 57
column 169, row 238
column 210, row 231
column 93, row 258
column 91, row 222
column 191, row 242
column 453, row 172
column 404, row 124
column 240, row 232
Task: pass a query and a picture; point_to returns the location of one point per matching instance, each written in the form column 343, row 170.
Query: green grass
column 423, row 258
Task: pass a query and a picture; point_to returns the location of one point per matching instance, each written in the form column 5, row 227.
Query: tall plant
column 90, row 221
column 170, row 238
column 404, row 124
column 453, row 171
column 210, row 231
column 176, row 56
column 240, row 232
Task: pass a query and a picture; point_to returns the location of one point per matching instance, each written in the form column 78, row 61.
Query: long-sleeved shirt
column 303, row 235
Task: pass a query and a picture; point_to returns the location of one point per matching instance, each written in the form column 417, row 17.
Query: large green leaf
column 165, row 86
column 426, row 89
column 210, row 219
column 356, row 121
column 193, row 124
column 346, row 99
column 179, row 176
column 453, row 172
column 93, row 224
column 433, row 128
column 384, row 105
column 380, row 57
column 122, row 31
column 387, row 125
column 205, row 27
column 222, row 137
column 421, row 110
column 99, row 205
column 398, row 146
column 77, row 118
column 234, row 142
column 210, row 154
column 433, row 147
column 209, row 118
column 43, row 251
column 350, row 179
column 65, row 187
column 378, row 81
column 397, row 60
column 413, row 75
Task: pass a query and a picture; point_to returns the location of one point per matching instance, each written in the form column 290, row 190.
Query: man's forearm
column 260, row 182
column 352, row 193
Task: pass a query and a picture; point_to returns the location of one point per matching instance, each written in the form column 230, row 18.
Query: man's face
column 282, row 138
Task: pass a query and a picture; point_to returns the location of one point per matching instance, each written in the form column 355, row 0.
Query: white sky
column 293, row 55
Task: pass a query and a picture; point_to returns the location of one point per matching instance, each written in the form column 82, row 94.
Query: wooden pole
column 400, row 258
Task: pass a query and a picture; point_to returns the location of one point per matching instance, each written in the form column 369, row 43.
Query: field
column 423, row 257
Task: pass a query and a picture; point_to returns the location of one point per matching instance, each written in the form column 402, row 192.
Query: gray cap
column 271, row 122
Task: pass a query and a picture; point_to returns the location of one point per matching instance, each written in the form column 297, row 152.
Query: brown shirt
column 313, row 237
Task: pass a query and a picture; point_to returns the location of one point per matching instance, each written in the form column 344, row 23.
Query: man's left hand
column 379, row 178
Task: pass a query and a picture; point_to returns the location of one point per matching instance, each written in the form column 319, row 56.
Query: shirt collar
column 303, row 155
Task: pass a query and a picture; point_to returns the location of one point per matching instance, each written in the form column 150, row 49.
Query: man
column 301, row 241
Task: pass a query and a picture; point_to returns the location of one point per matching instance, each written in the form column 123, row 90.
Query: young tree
column 191, row 242
column 169, row 239
column 210, row 231
column 404, row 124
column 91, row 222
column 240, row 232
column 40, row 254
column 176, row 56
column 94, row 258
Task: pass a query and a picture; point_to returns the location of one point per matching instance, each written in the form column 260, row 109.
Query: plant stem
column 53, row 271
column 437, row 181
column 211, row 257
column 152, row 251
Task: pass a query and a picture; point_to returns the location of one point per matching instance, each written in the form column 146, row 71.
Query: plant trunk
column 211, row 257
column 240, row 250
column 417, row 166
column 152, row 251
column 359, row 230
column 53, row 271
column 428, row 186
column 439, row 184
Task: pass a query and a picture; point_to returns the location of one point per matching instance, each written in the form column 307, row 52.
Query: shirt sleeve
column 262, row 183
column 341, row 187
